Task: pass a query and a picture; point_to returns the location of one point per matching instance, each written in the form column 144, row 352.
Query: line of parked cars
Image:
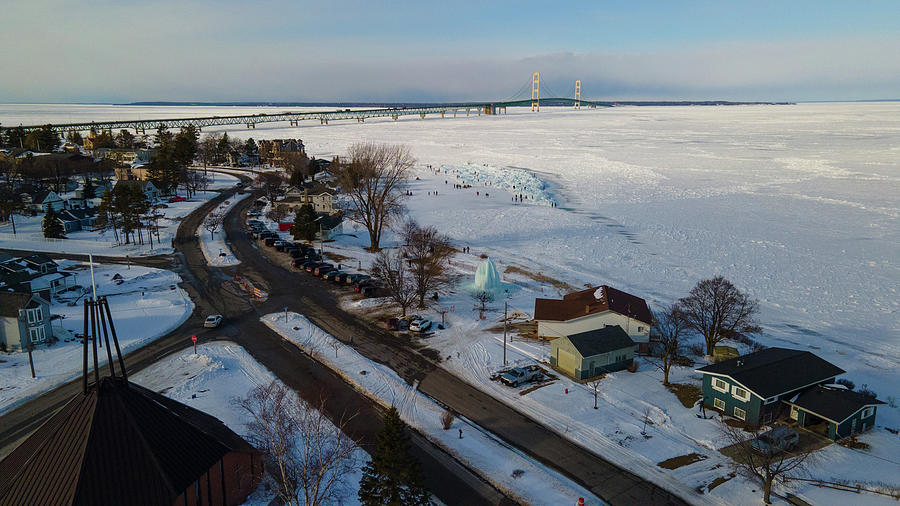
column 306, row 258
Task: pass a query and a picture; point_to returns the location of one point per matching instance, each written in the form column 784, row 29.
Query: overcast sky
column 451, row 50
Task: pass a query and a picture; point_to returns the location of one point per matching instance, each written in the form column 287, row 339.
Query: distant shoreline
column 431, row 104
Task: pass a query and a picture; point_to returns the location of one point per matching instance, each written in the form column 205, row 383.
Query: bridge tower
column 536, row 92
column 578, row 93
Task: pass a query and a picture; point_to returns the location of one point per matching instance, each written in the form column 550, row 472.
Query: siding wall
column 596, row 321
column 566, row 358
column 753, row 407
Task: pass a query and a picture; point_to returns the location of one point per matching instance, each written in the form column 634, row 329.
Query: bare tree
column 447, row 418
column 212, row 223
column 718, row 310
column 763, row 460
column 390, row 268
column 426, row 251
column 276, row 213
column 372, row 182
column 335, row 345
column 594, row 385
column 668, row 326
column 271, row 183
column 482, row 299
column 306, row 455
column 645, row 416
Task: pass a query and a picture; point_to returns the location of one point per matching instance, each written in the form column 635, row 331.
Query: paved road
column 318, row 301
column 445, row 477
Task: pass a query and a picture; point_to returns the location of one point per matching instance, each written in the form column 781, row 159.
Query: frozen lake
column 798, row 205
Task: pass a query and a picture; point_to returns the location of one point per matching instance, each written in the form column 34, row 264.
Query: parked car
column 213, row 321
column 322, row 269
column 393, row 323
column 270, row 241
column 776, row 440
column 311, row 265
column 521, row 375
column 330, row 275
column 369, row 290
column 356, row 278
column 358, row 287
column 177, row 199
column 295, row 253
column 298, row 262
column 342, row 277
column 421, row 325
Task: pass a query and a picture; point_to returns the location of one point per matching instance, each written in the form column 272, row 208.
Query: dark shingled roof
column 595, row 342
column 12, row 302
column 835, row 404
column 118, row 444
column 775, row 371
column 582, row 303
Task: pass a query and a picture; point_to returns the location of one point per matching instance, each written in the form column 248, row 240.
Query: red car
column 177, row 199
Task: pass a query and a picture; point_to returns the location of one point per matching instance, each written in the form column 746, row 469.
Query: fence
column 37, row 242
column 848, row 487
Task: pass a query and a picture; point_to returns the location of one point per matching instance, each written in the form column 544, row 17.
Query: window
column 719, row 404
column 740, row 413
column 719, row 385
column 36, row 334
column 740, row 393
column 35, row 315
column 867, row 412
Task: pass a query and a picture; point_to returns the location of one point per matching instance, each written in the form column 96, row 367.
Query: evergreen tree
column 51, row 225
column 304, row 226
column 392, row 476
column 15, row 137
column 223, row 148
column 125, row 139
column 75, row 138
column 88, row 191
column 250, row 148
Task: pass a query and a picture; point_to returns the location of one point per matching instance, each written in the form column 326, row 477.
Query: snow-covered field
column 146, row 305
column 215, row 246
column 496, row 462
column 29, row 234
column 212, row 381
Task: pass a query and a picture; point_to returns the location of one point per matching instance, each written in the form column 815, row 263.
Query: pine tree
column 53, row 228
column 304, row 226
column 88, row 191
column 392, row 476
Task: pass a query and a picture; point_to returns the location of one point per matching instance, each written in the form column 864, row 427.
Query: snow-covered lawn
column 216, row 249
column 212, row 381
column 495, row 461
column 29, row 234
column 146, row 305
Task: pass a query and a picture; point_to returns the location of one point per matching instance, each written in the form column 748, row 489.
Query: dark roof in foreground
column 834, row 403
column 118, row 444
column 775, row 371
column 597, row 341
column 585, row 302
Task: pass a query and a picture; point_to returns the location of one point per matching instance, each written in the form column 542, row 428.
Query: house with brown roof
column 595, row 308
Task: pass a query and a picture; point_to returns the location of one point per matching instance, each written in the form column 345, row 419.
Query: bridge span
column 294, row 118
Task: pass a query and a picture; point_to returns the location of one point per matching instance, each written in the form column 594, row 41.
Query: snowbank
column 495, row 461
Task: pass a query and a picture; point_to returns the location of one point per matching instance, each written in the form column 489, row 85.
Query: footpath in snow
column 212, row 381
column 215, row 246
column 517, row 475
column 145, row 303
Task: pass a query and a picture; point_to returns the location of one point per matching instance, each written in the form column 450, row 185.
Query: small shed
column 834, row 411
column 589, row 354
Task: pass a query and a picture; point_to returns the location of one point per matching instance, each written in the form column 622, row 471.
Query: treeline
column 44, row 140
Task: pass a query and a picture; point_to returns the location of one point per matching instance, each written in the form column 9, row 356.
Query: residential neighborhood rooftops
column 834, row 403
column 595, row 342
column 591, row 301
column 12, row 302
column 775, row 371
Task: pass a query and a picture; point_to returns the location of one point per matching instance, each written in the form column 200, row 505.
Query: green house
column 753, row 387
column 834, row 411
column 589, row 354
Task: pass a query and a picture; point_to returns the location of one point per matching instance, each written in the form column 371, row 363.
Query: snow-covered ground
column 215, row 246
column 29, row 234
column 212, row 381
column 496, row 462
column 795, row 204
column 146, row 305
